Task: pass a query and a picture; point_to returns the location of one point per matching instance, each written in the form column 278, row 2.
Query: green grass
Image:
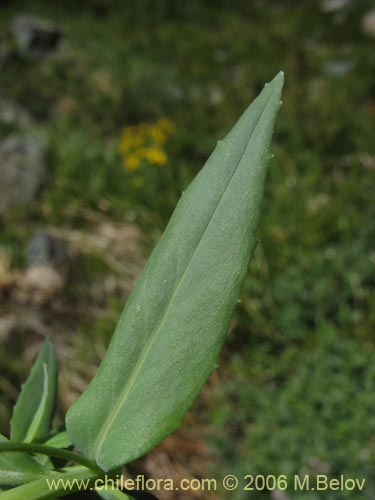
column 304, row 414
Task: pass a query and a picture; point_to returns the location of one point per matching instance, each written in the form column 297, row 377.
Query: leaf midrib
column 113, row 415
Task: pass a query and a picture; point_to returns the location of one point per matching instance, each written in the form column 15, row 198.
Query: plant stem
column 42, row 449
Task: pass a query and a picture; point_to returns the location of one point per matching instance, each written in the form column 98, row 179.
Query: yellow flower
column 129, row 139
column 155, row 155
column 124, row 144
column 158, row 135
column 131, row 161
column 144, row 142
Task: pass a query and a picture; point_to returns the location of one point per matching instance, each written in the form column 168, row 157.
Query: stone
column 368, row 23
column 338, row 68
column 22, row 170
column 36, row 37
column 45, row 250
column 334, row 5
column 12, row 114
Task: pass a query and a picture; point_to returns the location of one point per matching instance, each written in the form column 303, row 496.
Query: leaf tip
column 279, row 79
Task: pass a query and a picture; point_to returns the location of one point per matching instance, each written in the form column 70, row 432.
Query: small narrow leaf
column 33, row 411
column 60, row 440
column 112, row 494
column 44, row 461
column 169, row 335
column 55, row 487
column 18, row 468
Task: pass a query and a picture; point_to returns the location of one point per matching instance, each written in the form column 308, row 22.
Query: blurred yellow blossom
column 131, row 161
column 145, row 142
column 155, row 155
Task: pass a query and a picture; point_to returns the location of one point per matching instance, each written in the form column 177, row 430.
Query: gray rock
column 22, row 170
column 338, row 68
column 368, row 23
column 36, row 37
column 12, row 114
column 334, row 5
column 43, row 249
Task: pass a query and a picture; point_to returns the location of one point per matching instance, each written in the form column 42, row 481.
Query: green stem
column 42, row 449
column 56, row 487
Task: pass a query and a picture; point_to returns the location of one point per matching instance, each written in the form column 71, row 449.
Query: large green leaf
column 169, row 335
column 18, row 468
column 33, row 412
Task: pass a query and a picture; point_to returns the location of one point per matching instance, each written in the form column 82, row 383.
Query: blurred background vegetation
column 108, row 109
